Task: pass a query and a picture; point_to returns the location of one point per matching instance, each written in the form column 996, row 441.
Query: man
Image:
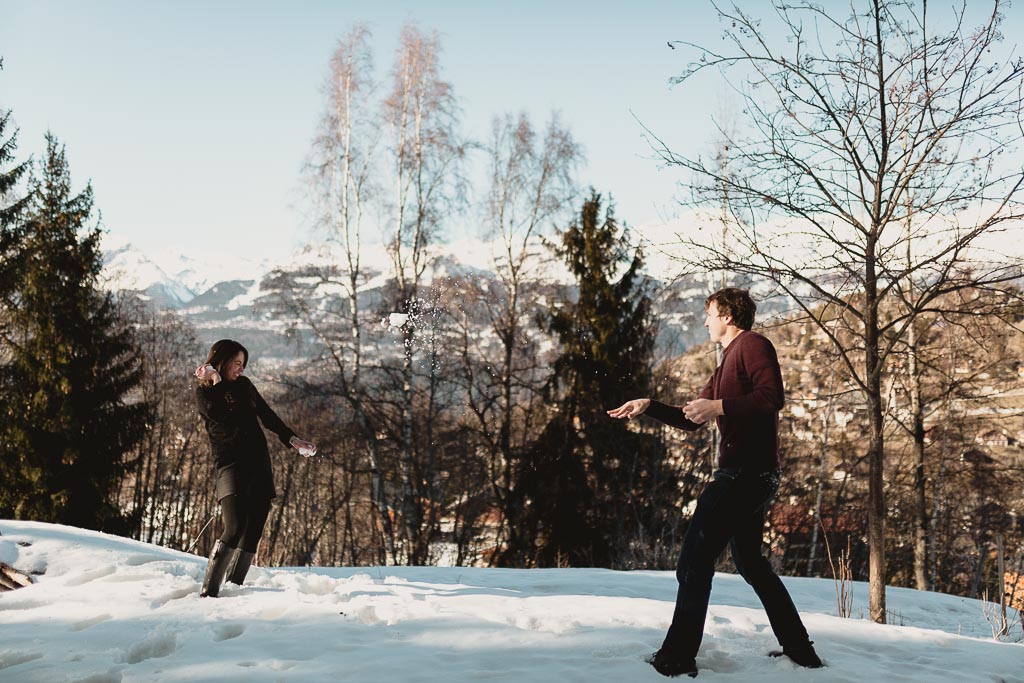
column 744, row 396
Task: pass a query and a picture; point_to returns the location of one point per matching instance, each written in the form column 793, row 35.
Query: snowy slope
column 107, row 609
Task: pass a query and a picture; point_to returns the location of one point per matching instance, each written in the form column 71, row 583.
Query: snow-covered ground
column 107, row 609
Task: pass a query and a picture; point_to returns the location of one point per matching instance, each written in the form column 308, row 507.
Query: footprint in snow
column 16, row 657
column 273, row 612
column 90, row 575
column 227, row 631
column 137, row 560
column 112, row 676
column 16, row 603
column 366, row 615
column 718, row 661
column 89, row 623
column 151, row 648
column 172, row 595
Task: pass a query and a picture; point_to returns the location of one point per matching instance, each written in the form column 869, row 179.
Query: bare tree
column 950, row 364
column 856, row 128
column 424, row 155
column 531, row 186
column 344, row 162
column 167, row 491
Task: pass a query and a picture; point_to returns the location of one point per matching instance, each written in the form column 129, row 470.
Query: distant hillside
column 230, row 299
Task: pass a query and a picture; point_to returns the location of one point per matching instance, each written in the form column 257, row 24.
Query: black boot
column 802, row 654
column 239, row 567
column 669, row 664
column 678, row 653
column 215, row 568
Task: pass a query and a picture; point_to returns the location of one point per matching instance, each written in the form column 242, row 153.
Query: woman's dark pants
column 244, row 519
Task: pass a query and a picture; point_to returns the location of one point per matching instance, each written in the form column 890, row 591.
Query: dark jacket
column 232, row 412
column 749, row 382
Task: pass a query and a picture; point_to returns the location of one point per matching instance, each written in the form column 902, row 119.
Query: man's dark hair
column 735, row 303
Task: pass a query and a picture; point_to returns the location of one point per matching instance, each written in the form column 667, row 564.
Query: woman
column 232, row 410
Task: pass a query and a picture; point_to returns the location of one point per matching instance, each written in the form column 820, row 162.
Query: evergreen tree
column 11, row 207
column 591, row 488
column 11, row 236
column 67, row 420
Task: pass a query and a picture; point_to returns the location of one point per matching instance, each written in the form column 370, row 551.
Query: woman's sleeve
column 270, row 419
column 212, row 405
column 210, row 401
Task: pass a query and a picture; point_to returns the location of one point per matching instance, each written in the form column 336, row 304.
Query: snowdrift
column 107, row 609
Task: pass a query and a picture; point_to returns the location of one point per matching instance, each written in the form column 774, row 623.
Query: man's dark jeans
column 730, row 511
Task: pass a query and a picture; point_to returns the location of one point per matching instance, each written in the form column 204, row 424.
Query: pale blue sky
column 192, row 119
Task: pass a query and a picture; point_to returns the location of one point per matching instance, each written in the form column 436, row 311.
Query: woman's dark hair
column 735, row 303
column 223, row 351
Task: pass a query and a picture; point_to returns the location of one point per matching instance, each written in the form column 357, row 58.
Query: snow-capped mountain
column 234, row 297
column 173, row 279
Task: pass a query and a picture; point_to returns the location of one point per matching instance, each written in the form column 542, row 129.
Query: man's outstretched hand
column 630, row 409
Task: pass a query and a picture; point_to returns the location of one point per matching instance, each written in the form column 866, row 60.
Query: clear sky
column 192, row 118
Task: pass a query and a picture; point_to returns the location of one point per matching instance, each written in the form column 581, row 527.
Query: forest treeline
column 473, row 430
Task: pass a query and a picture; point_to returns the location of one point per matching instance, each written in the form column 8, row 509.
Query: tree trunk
column 1001, row 587
column 826, row 421
column 876, row 447
column 876, row 513
column 921, row 511
column 410, row 522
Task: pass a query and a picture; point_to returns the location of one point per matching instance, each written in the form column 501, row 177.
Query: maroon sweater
column 749, row 382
